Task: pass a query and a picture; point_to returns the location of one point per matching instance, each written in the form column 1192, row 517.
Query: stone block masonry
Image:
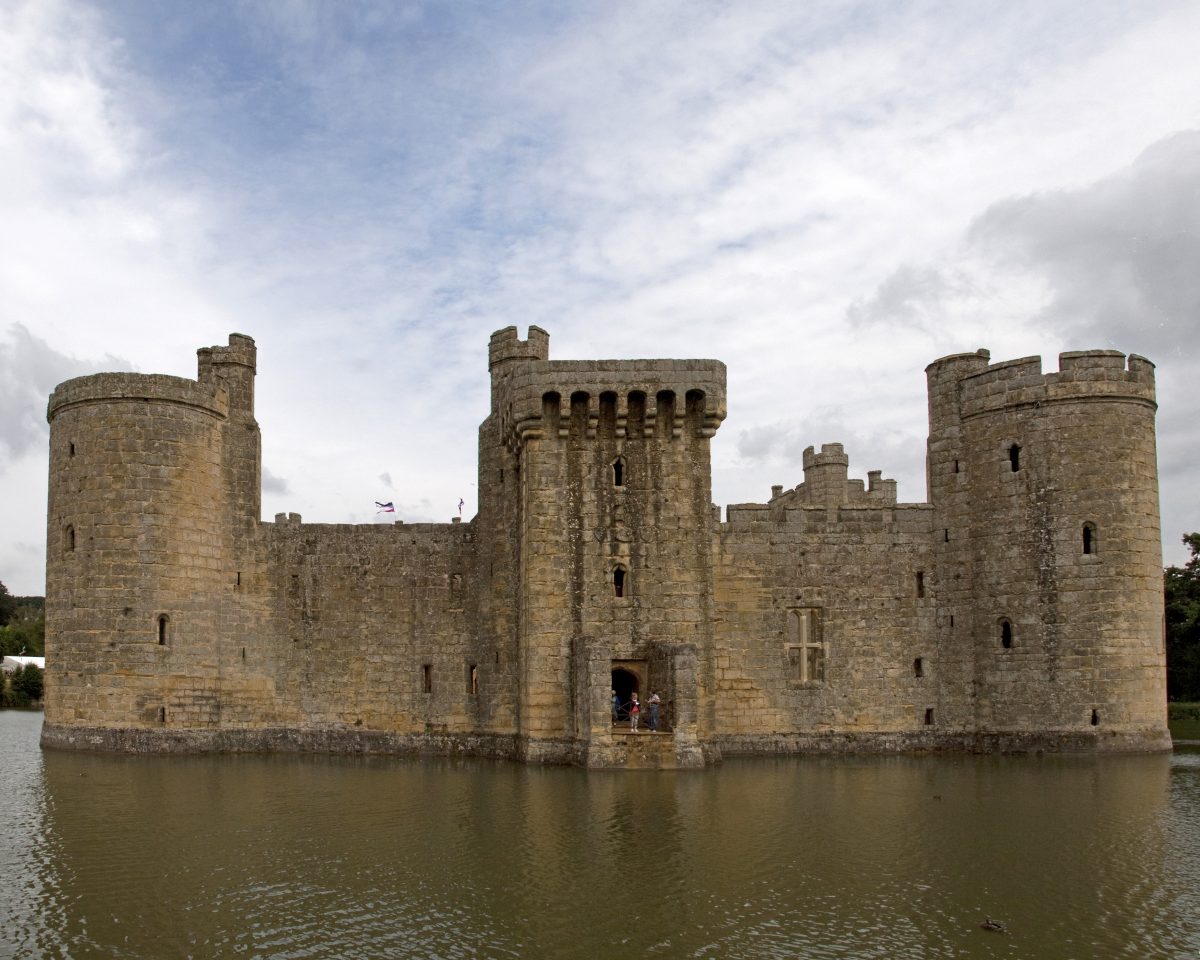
column 1019, row 608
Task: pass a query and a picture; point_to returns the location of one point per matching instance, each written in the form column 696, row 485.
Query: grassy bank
column 1184, row 720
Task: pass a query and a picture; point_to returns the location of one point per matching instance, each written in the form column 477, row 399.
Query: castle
column 1019, row 609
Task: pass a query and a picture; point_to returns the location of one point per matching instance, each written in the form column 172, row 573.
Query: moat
column 299, row 856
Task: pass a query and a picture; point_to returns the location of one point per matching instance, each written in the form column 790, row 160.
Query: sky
column 827, row 196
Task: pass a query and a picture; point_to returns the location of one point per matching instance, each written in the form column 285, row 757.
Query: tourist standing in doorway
column 616, row 701
column 654, row 703
column 634, row 710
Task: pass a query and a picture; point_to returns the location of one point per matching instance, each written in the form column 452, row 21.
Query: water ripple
column 300, row 857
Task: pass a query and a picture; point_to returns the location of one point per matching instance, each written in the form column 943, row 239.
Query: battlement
column 505, row 345
column 957, row 365
column 832, row 454
column 240, row 352
column 826, row 483
column 543, row 397
column 1091, row 374
column 555, row 398
column 211, row 397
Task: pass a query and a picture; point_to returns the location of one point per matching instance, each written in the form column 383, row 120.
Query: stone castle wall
column 1021, row 607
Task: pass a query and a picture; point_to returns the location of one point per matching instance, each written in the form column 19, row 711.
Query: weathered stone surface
column 1020, row 609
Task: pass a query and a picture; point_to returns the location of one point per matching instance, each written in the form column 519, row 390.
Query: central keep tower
column 597, row 531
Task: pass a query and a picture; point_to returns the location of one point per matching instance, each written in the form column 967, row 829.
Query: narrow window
column 163, row 623
column 619, row 582
column 951, row 621
column 920, row 583
column 929, row 716
column 795, row 664
column 238, row 579
column 919, row 667
column 1014, row 457
column 814, row 663
column 618, row 469
column 71, row 451
column 946, row 535
column 472, row 679
column 1006, row 636
column 427, row 678
column 1089, row 538
column 956, row 466
column 1095, row 718
column 162, row 714
column 69, row 539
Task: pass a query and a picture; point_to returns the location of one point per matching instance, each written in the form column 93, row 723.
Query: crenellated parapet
column 826, row 483
column 210, row 397
column 1097, row 374
column 534, row 397
column 506, row 346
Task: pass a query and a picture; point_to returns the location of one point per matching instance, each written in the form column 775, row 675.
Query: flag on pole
column 385, row 507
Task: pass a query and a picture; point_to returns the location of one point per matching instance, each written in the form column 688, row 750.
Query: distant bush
column 22, row 625
column 1184, row 711
column 22, row 688
column 23, row 638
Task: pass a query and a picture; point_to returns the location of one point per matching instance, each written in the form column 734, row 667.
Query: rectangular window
column 472, row 679
column 427, row 678
column 806, row 649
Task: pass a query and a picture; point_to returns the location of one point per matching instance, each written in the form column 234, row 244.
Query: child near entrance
column 654, row 702
column 634, row 710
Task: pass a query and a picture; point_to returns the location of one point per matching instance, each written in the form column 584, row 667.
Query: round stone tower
column 1046, row 517
column 145, row 480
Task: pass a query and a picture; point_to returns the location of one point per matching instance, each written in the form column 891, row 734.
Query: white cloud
column 370, row 191
column 1109, row 264
column 29, row 370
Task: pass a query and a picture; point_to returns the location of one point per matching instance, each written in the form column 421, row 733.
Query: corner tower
column 1045, row 491
column 152, row 479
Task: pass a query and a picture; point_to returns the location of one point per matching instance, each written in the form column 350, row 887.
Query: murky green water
column 296, row 857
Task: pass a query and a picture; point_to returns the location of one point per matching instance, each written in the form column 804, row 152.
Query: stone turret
column 1045, row 487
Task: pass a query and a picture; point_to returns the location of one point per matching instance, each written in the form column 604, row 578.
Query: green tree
column 25, row 632
column 1181, row 588
column 8, row 605
column 28, row 683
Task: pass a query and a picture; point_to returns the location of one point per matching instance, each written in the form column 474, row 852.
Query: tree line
column 1181, row 591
